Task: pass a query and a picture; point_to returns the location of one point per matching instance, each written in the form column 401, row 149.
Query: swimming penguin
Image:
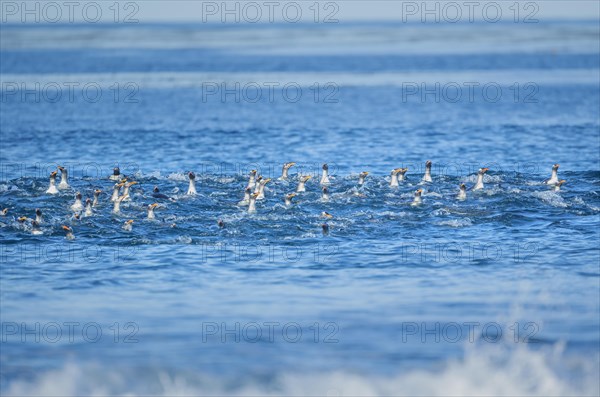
column 554, row 178
column 192, row 187
column 325, row 175
column 257, row 184
column 361, row 177
column 261, row 188
column 63, row 178
column 115, row 194
column 220, row 223
column 77, row 205
column 23, row 221
column 301, row 185
column 558, row 185
column 116, row 174
column 52, row 188
column 88, row 208
column 126, row 189
column 96, row 196
column 35, row 228
column 325, row 228
column 69, row 232
column 157, row 194
column 252, row 180
column 38, row 216
column 401, row 173
column 117, row 205
column 4, row 212
column 427, row 176
column 325, row 194
column 479, row 183
column 246, row 199
column 151, row 208
column 288, row 199
column 252, row 203
column 394, row 177
column 128, row 225
column 285, row 169
column 462, row 193
column 417, row 200
column 326, row 215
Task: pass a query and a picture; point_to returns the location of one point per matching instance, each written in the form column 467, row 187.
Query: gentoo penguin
column 128, row 185
column 63, row 178
column 157, row 194
column 554, row 178
column 325, row 228
column 88, row 208
column 192, row 187
column 257, row 184
column 401, row 173
column 325, row 195
column 261, row 188
column 288, row 199
column 52, row 188
column 427, row 176
column 35, row 228
column 69, row 232
column 115, row 194
column 151, row 208
column 117, row 205
column 479, row 183
column 326, row 215
column 301, row 185
column 558, row 185
column 252, row 203
column 116, row 174
column 462, row 193
column 285, row 169
column 128, row 225
column 325, row 175
column 394, row 177
column 96, row 196
column 246, row 200
column 252, row 180
column 38, row 216
column 361, row 178
column 417, row 200
column 77, row 205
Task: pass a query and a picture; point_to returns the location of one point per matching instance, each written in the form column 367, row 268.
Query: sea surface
column 495, row 295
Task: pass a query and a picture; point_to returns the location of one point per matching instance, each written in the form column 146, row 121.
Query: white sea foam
column 491, row 371
column 456, row 222
column 184, row 239
column 552, row 198
column 175, row 176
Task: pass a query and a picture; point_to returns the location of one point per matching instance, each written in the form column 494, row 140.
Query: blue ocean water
column 498, row 294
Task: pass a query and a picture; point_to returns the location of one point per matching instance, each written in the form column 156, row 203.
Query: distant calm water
column 498, row 294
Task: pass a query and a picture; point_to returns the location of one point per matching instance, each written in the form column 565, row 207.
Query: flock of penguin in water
column 255, row 190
